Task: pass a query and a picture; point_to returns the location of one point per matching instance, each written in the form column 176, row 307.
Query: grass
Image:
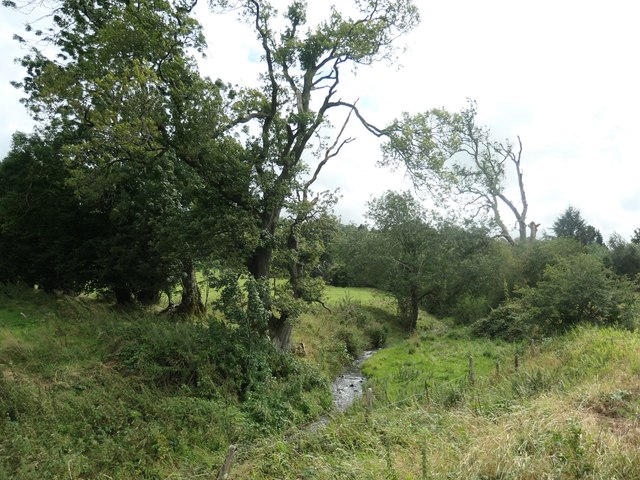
column 90, row 392
column 70, row 407
column 571, row 412
column 436, row 354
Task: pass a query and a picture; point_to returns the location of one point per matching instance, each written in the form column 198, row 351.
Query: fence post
column 369, row 403
column 472, row 371
column 516, row 361
column 426, row 391
column 228, row 461
column 497, row 368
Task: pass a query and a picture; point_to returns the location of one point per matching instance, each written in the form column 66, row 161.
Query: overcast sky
column 563, row 75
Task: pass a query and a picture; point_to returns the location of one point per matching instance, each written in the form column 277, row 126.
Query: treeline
column 530, row 288
column 143, row 172
column 134, row 241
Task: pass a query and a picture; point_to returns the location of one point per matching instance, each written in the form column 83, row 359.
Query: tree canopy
column 208, row 168
column 571, row 225
column 452, row 157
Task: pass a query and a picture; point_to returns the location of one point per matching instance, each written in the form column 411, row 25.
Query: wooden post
column 497, row 368
column 228, row 461
column 369, row 403
column 472, row 371
column 516, row 361
column 426, row 391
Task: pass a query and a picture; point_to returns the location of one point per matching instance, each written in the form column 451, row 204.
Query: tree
column 152, row 149
column 302, row 73
column 571, row 225
column 139, row 93
column 42, row 223
column 449, row 154
column 405, row 249
column 624, row 257
column 351, row 263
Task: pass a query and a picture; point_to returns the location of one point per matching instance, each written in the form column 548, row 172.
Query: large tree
column 152, row 128
column 41, row 220
column 303, row 67
column 453, row 157
column 126, row 75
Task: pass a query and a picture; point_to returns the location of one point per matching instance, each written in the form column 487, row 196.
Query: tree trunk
column 414, row 311
column 259, row 261
column 280, row 332
column 191, row 303
column 534, row 231
column 124, row 296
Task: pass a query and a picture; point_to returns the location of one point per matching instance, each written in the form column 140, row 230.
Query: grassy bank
column 87, row 392
column 569, row 412
column 90, row 392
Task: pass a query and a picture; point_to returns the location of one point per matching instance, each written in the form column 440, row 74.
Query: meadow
column 83, row 394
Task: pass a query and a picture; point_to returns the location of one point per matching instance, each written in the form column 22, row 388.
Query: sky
column 563, row 75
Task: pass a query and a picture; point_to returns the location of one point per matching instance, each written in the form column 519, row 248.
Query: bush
column 470, row 308
column 506, row 322
column 353, row 341
column 578, row 289
column 378, row 334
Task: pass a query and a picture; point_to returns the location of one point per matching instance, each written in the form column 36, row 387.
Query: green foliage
column 351, row 262
column 569, row 410
column 507, row 321
column 624, row 258
column 536, row 257
column 440, row 266
column 139, row 147
column 571, row 225
column 469, row 309
column 574, row 290
column 42, row 222
column 86, row 393
column 454, row 159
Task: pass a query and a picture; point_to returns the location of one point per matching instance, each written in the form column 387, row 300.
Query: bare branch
column 331, row 152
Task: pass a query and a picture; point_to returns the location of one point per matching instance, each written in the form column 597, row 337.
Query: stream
column 347, row 388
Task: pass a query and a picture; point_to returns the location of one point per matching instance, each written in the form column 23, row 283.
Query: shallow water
column 347, row 388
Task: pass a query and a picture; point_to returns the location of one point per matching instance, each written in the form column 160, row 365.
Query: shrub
column 506, row 322
column 378, row 334
column 470, row 308
column 578, row 289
